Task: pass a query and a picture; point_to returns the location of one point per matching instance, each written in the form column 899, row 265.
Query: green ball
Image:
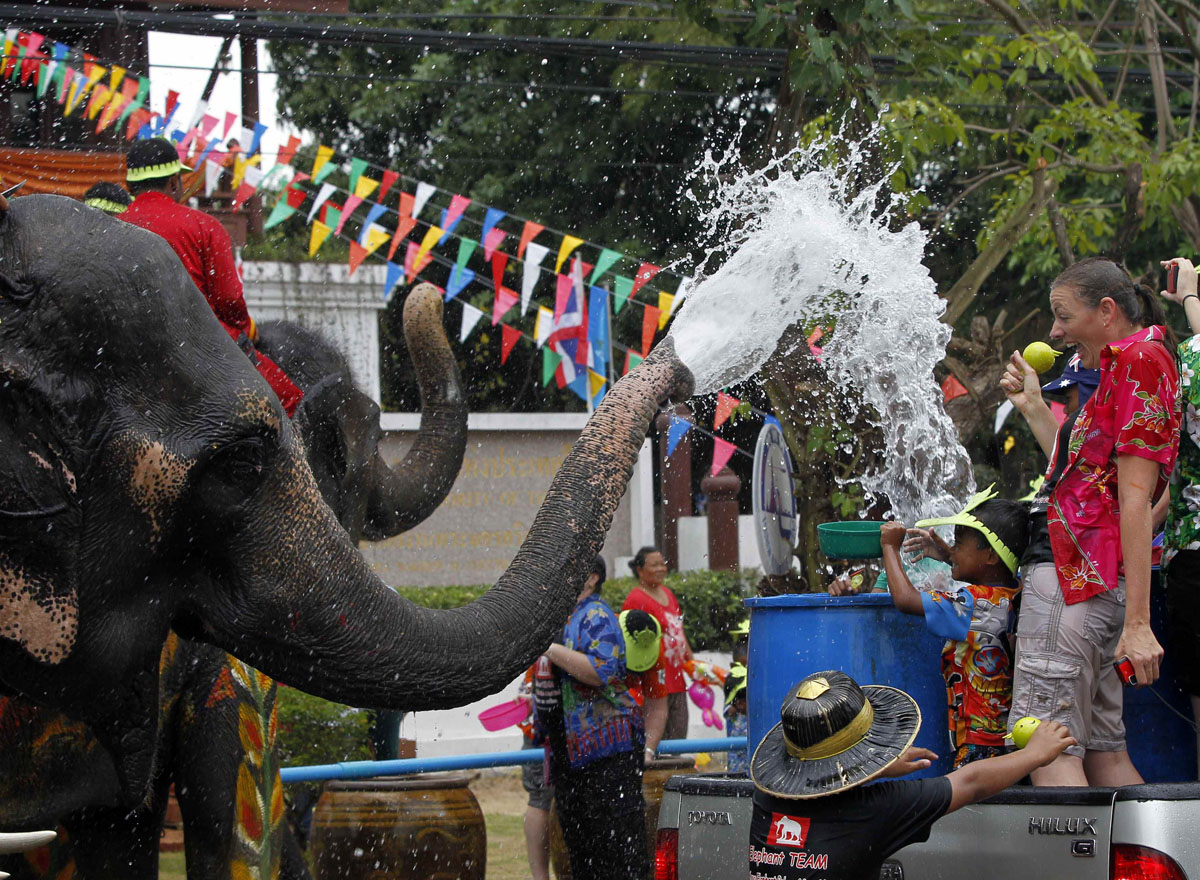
column 1040, row 356
column 1024, row 729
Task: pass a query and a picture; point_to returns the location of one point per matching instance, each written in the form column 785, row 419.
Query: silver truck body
column 1021, row 834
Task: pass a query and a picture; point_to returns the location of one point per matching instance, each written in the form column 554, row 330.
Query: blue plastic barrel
column 863, row 636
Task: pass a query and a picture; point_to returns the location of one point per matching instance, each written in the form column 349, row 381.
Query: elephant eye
column 236, row 469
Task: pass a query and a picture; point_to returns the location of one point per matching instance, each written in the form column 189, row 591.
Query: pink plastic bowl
column 504, row 715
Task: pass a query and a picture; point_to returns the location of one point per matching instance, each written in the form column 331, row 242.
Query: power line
column 725, row 57
column 486, row 84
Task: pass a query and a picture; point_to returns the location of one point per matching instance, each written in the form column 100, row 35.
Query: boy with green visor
column 990, row 535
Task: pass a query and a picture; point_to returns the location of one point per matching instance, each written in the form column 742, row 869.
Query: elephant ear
column 39, row 530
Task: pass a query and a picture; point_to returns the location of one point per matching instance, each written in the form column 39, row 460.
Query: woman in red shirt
column 1087, row 603
column 652, row 596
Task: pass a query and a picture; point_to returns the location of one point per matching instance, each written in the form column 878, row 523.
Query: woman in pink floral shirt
column 1091, row 604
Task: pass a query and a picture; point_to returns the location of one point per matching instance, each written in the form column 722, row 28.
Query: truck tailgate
column 1025, row 833
column 713, row 816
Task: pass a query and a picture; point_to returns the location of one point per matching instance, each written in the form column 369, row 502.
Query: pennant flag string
column 535, row 255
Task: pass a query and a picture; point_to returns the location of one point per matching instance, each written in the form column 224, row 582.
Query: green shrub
column 711, row 601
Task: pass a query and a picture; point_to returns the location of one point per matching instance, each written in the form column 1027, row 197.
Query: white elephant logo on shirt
column 787, row 830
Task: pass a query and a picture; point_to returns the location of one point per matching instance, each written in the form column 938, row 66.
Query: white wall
column 693, row 543
column 324, row 297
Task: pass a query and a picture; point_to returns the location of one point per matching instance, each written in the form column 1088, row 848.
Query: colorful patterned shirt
column 595, row 722
column 1183, row 514
column 1135, row 411
column 737, row 724
column 976, row 661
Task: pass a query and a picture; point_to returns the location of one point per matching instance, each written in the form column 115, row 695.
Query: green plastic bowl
column 857, row 539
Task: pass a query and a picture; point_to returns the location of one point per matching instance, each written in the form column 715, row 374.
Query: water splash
column 802, row 240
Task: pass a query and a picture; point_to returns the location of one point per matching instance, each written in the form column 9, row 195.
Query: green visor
column 150, row 172
column 735, row 683
column 964, row 518
column 641, row 647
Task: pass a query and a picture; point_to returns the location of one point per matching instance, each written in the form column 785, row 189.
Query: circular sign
column 774, row 504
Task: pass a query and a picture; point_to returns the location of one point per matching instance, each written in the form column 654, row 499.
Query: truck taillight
column 1131, row 862
column 666, row 854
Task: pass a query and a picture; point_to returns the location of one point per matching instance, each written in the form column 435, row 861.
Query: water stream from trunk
column 796, row 243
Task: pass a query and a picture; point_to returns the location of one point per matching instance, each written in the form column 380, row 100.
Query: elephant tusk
column 14, row 842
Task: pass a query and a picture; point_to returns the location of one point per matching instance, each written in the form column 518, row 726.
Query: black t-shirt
column 843, row 836
column 1038, row 548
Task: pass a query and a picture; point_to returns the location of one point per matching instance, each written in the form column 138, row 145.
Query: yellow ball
column 1024, row 729
column 1040, row 356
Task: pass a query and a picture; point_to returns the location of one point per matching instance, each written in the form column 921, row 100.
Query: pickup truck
column 1143, row 832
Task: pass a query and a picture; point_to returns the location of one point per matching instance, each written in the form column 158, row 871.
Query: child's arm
column 982, row 779
column 904, row 594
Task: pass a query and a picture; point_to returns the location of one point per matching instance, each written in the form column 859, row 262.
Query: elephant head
column 149, row 480
column 340, row 424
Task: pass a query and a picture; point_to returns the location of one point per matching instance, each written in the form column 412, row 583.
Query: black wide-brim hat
column 834, row 736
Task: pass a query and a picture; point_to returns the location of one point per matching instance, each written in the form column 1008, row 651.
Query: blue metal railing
column 367, row 769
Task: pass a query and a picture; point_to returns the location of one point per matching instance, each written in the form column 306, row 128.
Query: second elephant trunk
column 307, row 610
column 406, row 495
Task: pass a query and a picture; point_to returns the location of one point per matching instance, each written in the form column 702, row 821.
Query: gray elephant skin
column 149, row 481
column 212, row 705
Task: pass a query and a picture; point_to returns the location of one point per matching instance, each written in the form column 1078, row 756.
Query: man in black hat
column 154, row 173
column 814, row 818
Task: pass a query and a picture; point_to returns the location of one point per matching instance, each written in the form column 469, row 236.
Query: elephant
column 150, row 483
column 216, row 709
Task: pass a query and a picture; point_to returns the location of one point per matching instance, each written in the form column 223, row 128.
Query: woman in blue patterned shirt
column 594, row 735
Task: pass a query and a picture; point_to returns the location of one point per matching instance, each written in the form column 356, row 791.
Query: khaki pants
column 1065, row 653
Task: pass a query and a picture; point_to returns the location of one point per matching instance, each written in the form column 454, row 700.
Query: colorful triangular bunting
column 508, row 338
column 569, row 243
column 649, row 328
column 470, row 317
column 550, row 361
column 505, row 300
column 725, row 405
column 534, row 254
column 644, row 273
column 528, row 234
column 317, row 237
column 677, row 429
column 722, row 451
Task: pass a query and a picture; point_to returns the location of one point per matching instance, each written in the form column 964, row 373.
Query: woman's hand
column 1185, row 284
column 1020, row 384
column 926, row 544
column 1143, row 650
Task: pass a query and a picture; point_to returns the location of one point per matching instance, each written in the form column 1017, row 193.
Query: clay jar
column 413, row 828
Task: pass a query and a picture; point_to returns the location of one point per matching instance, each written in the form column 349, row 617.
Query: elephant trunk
column 403, row 497
column 306, row 609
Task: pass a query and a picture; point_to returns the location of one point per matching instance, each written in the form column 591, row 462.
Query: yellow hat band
column 841, row 741
column 107, row 205
column 164, row 169
column 965, row 518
